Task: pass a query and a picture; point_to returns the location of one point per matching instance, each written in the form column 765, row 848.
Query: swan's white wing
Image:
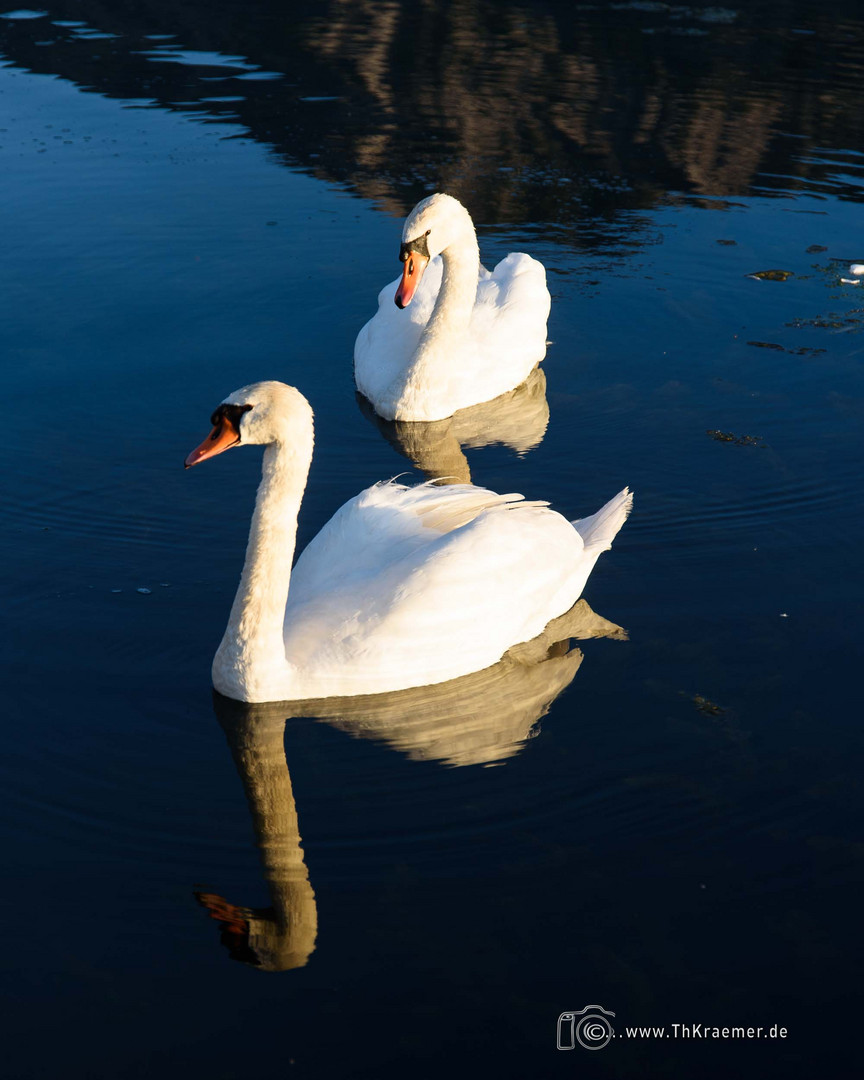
column 513, row 305
column 508, row 323
column 410, row 586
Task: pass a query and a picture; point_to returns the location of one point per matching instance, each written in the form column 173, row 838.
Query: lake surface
column 197, row 196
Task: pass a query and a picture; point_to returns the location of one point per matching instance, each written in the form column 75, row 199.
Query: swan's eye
column 230, row 414
column 417, row 246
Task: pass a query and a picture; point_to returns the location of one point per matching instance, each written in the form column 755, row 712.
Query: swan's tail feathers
column 599, row 530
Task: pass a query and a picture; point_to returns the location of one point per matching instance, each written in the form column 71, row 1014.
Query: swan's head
column 431, row 227
column 259, row 414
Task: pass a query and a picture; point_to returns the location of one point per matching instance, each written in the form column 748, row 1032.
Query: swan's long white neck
column 250, row 663
column 458, row 293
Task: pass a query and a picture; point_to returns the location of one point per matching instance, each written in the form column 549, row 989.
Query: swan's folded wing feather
column 509, row 324
column 513, row 305
column 385, row 522
column 407, row 586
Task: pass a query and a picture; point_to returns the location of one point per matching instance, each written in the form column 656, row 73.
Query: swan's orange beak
column 223, row 436
column 412, row 271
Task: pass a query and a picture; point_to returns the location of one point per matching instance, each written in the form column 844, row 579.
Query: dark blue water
column 197, row 198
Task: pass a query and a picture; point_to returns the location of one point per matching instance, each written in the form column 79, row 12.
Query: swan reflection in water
column 281, row 936
column 517, row 419
column 479, row 719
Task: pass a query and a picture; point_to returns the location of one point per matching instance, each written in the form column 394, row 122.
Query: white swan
column 467, row 335
column 404, row 586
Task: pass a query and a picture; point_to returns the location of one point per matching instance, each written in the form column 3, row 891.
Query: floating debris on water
column 856, row 268
column 850, row 281
column 814, row 248
column 803, row 350
column 767, row 345
column 771, row 275
column 704, row 704
column 832, row 321
column 727, row 243
column 116, row 590
column 143, row 591
column 731, row 437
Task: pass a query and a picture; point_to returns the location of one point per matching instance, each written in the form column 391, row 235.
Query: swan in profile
column 466, row 336
column 404, row 586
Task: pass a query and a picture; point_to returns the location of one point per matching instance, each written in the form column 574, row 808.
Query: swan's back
column 512, row 307
column 410, row 586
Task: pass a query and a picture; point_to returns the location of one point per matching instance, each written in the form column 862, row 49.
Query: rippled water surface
column 665, row 822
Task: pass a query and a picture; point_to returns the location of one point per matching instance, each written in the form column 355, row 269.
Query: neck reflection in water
column 281, row 936
column 480, row 719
